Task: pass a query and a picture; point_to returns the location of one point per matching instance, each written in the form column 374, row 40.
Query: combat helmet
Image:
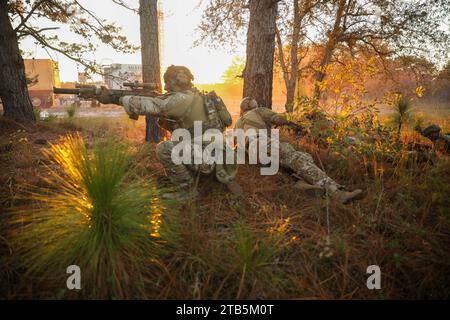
column 179, row 76
column 431, row 131
column 248, row 103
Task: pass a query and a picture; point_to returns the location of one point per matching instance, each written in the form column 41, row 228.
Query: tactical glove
column 298, row 129
column 106, row 97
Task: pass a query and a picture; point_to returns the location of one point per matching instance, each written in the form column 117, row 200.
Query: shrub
column 98, row 216
column 252, row 261
column 402, row 108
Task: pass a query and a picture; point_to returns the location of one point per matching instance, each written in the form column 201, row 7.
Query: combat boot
column 345, row 197
column 309, row 189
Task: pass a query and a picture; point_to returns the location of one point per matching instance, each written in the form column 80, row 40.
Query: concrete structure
column 116, row 74
column 43, row 75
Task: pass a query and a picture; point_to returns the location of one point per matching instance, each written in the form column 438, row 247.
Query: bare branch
column 124, row 5
column 25, row 19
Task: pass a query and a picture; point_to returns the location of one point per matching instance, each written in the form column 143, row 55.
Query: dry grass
column 274, row 242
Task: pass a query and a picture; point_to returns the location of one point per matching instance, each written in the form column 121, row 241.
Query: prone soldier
column 433, row 133
column 314, row 180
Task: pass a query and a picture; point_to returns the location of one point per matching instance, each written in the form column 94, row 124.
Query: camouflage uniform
column 300, row 162
column 179, row 109
column 433, row 133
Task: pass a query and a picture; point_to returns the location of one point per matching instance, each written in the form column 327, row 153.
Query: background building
column 42, row 75
column 116, row 74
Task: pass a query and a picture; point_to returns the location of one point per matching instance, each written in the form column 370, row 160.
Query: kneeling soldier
column 180, row 107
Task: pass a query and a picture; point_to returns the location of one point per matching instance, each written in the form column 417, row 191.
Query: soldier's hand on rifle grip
column 105, row 96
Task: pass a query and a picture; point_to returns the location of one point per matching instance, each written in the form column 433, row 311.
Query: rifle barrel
column 65, row 91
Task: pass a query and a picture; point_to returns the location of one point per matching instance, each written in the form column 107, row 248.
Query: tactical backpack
column 218, row 115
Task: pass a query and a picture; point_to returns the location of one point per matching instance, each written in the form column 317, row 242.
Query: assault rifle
column 298, row 129
column 113, row 95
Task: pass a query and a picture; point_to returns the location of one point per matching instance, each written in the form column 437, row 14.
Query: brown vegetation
column 274, row 242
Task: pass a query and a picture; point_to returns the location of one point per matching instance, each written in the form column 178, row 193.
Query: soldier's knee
column 164, row 150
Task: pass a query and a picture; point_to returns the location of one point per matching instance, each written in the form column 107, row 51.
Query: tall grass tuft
column 252, row 261
column 71, row 110
column 98, row 216
column 402, row 108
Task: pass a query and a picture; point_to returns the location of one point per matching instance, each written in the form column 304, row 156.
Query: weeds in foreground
column 98, row 217
column 254, row 258
column 227, row 261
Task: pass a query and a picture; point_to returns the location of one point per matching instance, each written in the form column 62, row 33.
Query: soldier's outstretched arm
column 272, row 118
column 137, row 105
column 172, row 105
column 279, row 119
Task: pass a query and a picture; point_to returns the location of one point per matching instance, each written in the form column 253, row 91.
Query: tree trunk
column 258, row 72
column 333, row 39
column 151, row 68
column 294, row 57
column 13, row 85
column 321, row 73
column 290, row 89
column 290, row 73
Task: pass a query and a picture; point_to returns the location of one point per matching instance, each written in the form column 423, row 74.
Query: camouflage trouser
column 178, row 174
column 184, row 175
column 303, row 165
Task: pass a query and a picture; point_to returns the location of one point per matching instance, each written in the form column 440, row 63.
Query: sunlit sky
column 181, row 18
